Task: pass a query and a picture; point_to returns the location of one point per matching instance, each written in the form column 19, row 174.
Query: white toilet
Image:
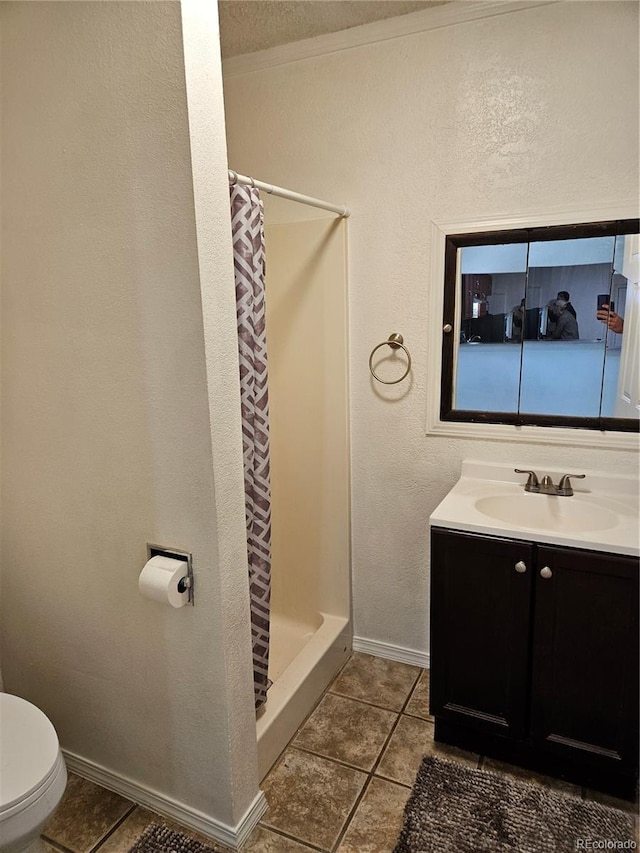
column 33, row 775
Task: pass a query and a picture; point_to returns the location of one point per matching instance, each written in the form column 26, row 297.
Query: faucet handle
column 532, row 481
column 564, row 486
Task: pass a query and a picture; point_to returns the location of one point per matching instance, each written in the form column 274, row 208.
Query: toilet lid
column 28, row 749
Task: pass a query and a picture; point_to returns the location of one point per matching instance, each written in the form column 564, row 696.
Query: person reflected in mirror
column 565, row 325
column 552, row 314
column 564, row 295
column 613, row 321
column 518, row 315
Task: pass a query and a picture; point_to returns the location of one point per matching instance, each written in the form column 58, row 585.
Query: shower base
column 303, row 659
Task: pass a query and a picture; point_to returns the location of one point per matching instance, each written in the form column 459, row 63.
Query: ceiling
column 250, row 25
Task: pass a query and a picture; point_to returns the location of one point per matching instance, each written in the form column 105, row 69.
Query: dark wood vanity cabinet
column 534, row 656
column 480, row 611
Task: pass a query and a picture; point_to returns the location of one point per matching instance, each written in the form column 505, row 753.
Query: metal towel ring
column 395, row 341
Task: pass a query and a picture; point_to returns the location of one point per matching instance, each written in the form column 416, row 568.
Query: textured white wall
column 217, row 287
column 532, row 109
column 119, row 402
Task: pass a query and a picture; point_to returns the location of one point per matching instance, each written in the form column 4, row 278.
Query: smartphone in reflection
column 604, row 299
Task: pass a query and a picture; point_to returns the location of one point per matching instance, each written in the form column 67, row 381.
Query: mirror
column 543, row 322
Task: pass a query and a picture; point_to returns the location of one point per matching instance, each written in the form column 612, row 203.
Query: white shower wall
column 308, row 401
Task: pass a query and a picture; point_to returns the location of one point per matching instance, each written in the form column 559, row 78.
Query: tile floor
column 341, row 785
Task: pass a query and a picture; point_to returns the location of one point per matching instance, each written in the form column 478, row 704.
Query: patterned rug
column 454, row 809
column 160, row 839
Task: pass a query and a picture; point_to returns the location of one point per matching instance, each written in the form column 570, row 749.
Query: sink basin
column 489, row 498
column 547, row 512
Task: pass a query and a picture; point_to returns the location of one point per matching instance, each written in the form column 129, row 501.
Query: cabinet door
column 585, row 658
column 480, row 615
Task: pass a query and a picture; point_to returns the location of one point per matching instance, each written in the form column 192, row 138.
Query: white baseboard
column 392, row 652
column 231, row 836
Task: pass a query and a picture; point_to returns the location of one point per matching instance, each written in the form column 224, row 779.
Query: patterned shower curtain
column 247, row 223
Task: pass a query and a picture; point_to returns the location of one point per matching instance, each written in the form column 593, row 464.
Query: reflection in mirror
column 488, row 376
column 562, row 370
column 539, row 317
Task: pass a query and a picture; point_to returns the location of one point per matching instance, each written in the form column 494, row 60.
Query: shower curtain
column 247, row 223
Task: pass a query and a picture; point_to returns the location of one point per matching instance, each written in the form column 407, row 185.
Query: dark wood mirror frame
column 523, row 235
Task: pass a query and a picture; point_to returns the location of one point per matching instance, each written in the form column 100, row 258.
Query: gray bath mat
column 160, row 839
column 453, row 809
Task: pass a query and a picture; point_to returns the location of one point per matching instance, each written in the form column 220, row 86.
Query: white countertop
column 599, row 501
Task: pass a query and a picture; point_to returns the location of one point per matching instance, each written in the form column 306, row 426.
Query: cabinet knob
column 546, row 572
column 521, row 567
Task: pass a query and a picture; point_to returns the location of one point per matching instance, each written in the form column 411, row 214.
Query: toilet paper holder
column 175, row 554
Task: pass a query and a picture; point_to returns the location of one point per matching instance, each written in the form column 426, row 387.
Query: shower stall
column 307, row 345
column 310, row 584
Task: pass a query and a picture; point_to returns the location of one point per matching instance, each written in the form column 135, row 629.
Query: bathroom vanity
column 534, row 625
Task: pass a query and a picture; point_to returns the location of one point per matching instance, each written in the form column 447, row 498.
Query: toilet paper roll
column 160, row 578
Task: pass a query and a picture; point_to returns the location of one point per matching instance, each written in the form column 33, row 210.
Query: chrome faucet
column 532, row 484
column 547, row 486
column 564, row 486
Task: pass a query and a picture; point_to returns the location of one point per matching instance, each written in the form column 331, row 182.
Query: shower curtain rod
column 342, row 211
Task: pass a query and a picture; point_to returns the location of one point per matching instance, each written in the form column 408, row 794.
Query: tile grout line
column 364, row 701
column 413, row 689
column 284, row 834
column 116, row 826
column 376, row 763
column 393, row 781
column 395, row 725
column 371, row 773
column 350, row 816
column 429, row 718
column 330, row 758
column 55, row 844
